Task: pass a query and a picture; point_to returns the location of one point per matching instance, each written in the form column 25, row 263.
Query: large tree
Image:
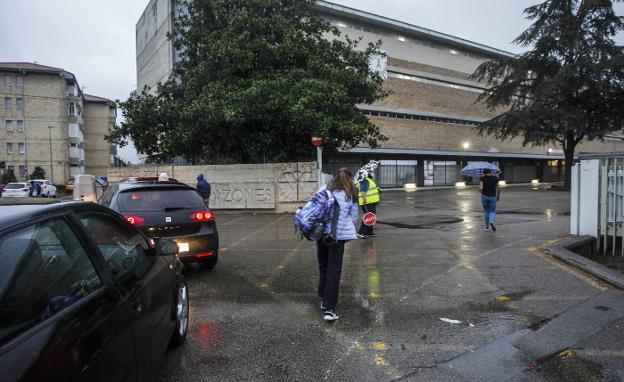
column 568, row 87
column 255, row 80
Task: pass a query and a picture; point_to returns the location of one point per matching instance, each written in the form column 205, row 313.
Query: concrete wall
column 276, row 187
column 408, row 48
column 154, row 50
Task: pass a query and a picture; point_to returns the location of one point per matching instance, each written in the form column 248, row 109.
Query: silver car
column 16, row 190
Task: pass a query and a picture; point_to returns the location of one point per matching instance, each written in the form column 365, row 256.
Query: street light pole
column 51, row 163
column 318, row 143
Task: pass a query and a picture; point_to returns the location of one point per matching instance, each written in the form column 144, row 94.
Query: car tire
column 208, row 264
column 181, row 314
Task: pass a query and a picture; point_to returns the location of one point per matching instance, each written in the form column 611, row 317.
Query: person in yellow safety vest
column 368, row 198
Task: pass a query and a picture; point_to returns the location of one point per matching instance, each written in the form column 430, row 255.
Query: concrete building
column 431, row 114
column 48, row 122
column 100, row 116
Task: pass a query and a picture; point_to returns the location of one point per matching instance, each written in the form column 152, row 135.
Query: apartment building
column 48, row 122
column 431, row 115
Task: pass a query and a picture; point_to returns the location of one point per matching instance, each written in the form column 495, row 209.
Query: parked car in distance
column 47, row 188
column 69, row 185
column 168, row 209
column 85, row 296
column 15, row 190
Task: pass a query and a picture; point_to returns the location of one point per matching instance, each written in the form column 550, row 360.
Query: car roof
column 12, row 213
column 16, row 183
column 124, row 186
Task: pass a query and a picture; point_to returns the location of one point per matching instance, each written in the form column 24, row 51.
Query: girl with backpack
column 330, row 250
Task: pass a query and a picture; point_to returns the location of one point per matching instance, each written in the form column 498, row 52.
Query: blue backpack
column 312, row 219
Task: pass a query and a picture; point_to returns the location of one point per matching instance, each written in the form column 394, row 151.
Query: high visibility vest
column 372, row 195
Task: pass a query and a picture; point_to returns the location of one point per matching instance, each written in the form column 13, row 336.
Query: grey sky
column 95, row 39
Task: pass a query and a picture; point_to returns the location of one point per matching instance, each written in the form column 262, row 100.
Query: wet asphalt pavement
column 524, row 316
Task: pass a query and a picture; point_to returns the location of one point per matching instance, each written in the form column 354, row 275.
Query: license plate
column 183, row 247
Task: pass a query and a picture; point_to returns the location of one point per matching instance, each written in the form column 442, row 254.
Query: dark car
column 168, row 209
column 84, row 296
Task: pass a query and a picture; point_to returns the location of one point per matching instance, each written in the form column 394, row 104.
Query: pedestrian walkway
column 432, row 297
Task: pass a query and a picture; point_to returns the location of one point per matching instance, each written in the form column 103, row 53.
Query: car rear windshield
column 15, row 186
column 159, row 200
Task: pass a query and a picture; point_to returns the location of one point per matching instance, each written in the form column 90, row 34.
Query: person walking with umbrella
column 488, row 187
column 490, row 195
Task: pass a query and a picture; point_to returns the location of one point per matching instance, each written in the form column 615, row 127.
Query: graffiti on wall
column 243, row 195
column 296, row 182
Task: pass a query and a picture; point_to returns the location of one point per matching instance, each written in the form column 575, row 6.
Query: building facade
column 48, row 122
column 431, row 115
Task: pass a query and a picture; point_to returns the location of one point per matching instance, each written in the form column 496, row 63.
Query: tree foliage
column 8, row 176
column 569, row 86
column 38, row 173
column 255, row 80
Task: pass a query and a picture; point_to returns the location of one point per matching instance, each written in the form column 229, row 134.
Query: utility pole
column 50, row 127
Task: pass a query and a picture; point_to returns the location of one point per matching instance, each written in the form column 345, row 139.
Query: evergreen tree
column 38, row 173
column 568, row 87
column 8, row 177
column 255, row 81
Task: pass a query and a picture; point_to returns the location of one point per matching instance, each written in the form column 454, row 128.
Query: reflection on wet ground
column 256, row 317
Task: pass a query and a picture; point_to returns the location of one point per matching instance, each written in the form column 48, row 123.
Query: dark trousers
column 330, row 269
column 364, row 229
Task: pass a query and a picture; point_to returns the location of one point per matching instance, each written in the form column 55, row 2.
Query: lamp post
column 50, row 127
column 318, row 143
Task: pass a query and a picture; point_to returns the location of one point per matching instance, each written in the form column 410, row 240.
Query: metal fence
column 597, row 201
column 611, row 203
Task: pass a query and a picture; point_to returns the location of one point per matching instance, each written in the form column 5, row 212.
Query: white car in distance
column 16, row 190
column 47, row 188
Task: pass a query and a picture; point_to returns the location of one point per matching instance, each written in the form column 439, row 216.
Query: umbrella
column 365, row 170
column 475, row 169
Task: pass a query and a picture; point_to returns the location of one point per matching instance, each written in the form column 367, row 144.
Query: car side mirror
column 166, row 247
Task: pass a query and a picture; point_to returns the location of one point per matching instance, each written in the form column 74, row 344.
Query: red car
column 1, row 189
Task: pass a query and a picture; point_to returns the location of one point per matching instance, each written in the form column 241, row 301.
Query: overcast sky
column 95, row 39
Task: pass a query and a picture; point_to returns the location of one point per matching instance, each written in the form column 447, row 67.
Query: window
column 19, row 103
column 9, row 125
column 22, row 171
column 19, row 81
column 158, row 199
column 21, row 147
column 20, row 125
column 9, row 147
column 44, row 270
column 8, row 80
column 124, row 249
column 72, row 108
column 7, row 103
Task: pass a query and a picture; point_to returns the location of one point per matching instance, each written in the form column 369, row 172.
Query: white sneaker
column 330, row 316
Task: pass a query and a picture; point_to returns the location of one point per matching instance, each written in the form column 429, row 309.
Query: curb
column 562, row 253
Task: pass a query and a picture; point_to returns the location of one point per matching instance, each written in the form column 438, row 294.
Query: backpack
column 312, row 219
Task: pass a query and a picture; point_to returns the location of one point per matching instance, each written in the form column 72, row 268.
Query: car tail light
column 204, row 255
column 134, row 220
column 202, row 216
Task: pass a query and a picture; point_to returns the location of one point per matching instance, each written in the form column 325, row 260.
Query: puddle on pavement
column 423, row 222
column 513, row 296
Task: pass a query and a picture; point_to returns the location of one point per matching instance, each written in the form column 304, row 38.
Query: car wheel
column 208, row 264
column 181, row 315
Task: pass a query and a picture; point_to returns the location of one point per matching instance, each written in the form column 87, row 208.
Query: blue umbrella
column 475, row 169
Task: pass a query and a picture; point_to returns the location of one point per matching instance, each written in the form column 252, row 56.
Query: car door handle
column 137, row 306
